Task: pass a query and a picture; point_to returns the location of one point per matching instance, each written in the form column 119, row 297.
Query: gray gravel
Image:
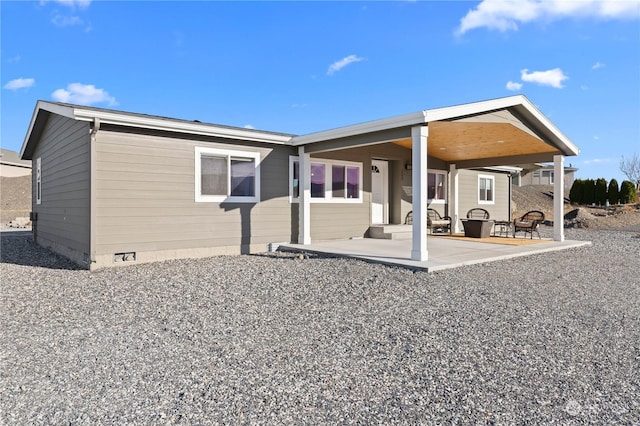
column 546, row 339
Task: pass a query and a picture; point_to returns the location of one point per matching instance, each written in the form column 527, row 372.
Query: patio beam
column 304, row 204
column 419, row 136
column 506, row 161
column 558, row 197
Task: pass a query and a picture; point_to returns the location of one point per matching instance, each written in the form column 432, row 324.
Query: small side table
column 502, row 227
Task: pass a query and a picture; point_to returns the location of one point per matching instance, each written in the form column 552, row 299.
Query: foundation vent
column 124, row 257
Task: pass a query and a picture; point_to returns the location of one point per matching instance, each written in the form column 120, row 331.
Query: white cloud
column 338, row 65
column 249, row 126
column 80, row 4
column 20, row 83
column 83, row 94
column 511, row 85
column 506, row 15
column 599, row 161
column 553, row 78
column 66, row 21
column 597, row 65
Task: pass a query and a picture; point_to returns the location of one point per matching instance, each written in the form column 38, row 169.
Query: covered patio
column 494, row 133
column 444, row 253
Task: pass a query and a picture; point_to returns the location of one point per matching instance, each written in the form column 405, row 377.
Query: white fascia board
column 510, row 169
column 456, row 111
column 410, row 119
column 156, row 123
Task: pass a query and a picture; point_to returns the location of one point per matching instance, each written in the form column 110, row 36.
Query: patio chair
column 529, row 222
column 435, row 221
column 478, row 213
column 408, row 220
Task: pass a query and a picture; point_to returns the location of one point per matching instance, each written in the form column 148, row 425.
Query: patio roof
column 504, row 131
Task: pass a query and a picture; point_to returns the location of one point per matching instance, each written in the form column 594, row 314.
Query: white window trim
column 199, row 151
column 549, row 174
column 493, row 185
column 39, row 180
column 328, row 193
column 444, row 180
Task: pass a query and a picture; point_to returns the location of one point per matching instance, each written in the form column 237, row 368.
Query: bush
column 601, row 192
column 576, row 193
column 628, row 193
column 613, row 193
column 589, row 194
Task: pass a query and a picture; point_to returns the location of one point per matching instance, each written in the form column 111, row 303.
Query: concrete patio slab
column 444, row 253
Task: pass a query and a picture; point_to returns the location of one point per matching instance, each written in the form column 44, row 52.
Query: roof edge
column 80, row 113
column 413, row 118
column 176, row 125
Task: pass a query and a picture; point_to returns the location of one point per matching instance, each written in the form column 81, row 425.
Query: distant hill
column 15, row 197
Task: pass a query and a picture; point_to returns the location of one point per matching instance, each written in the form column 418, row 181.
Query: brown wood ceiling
column 458, row 141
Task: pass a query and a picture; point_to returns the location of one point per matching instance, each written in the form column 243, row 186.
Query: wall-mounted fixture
column 407, row 166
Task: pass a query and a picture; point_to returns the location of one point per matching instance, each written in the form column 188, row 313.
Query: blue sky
column 299, row 67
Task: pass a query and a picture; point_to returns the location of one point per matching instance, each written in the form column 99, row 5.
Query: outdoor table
column 477, row 228
column 502, row 227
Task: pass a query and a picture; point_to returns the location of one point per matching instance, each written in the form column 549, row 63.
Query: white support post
column 558, row 197
column 419, row 136
column 453, row 198
column 304, row 204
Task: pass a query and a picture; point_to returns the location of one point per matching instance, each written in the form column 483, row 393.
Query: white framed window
column 549, row 175
column 486, row 189
column 38, row 180
column 332, row 181
column 436, row 186
column 223, row 175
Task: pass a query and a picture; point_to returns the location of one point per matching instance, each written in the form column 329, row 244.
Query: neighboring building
column 11, row 165
column 542, row 174
column 112, row 187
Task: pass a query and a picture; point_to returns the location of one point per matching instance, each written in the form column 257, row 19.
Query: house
column 112, row 187
column 11, row 165
column 542, row 174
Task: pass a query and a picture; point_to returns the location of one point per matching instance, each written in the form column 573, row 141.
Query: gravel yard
column 544, row 339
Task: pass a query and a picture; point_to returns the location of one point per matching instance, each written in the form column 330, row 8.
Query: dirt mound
column 533, row 197
column 15, row 197
column 579, row 218
column 540, row 197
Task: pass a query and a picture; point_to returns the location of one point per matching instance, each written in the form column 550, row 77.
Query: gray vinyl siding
column 145, row 197
column 344, row 220
column 468, row 194
column 64, row 212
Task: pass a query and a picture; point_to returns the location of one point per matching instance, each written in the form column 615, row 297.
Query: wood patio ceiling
column 459, row 141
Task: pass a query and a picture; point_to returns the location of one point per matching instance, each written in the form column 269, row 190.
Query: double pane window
column 486, row 189
column 331, row 180
column 230, row 176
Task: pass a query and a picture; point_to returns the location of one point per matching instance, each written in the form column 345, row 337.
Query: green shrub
column 601, row 192
column 576, row 193
column 613, row 192
column 589, row 195
column 628, row 193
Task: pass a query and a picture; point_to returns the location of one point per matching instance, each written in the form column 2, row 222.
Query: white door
column 379, row 192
